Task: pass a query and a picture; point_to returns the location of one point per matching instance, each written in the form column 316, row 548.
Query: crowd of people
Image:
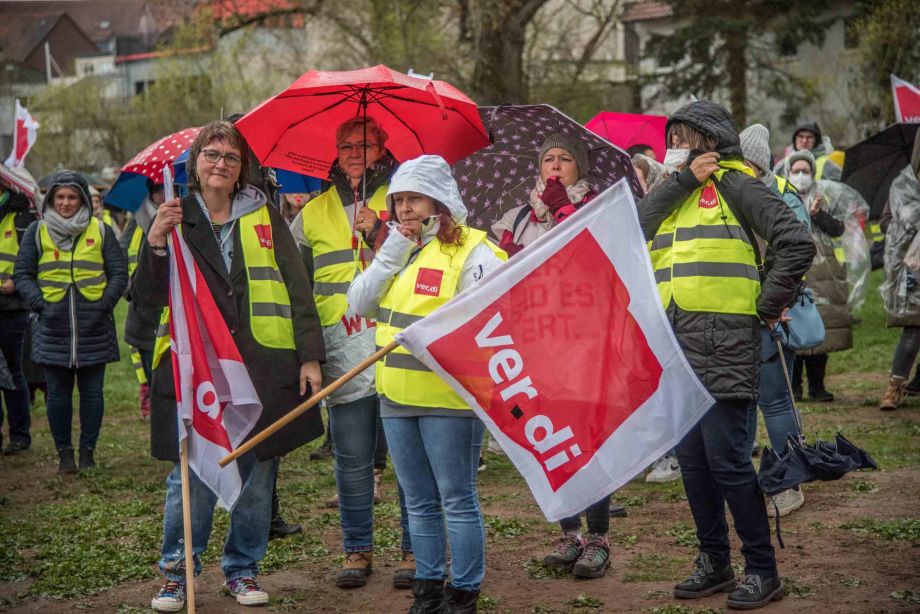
column 310, row 285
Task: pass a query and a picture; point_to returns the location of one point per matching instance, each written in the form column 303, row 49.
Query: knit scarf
column 64, row 231
column 576, row 192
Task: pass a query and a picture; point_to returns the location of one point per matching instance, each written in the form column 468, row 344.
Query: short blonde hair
column 376, row 134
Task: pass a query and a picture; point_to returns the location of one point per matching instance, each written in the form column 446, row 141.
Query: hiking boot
column 378, row 476
column 894, row 394
column 665, row 469
column 16, row 446
column 355, row 570
column 429, row 597
column 170, row 598
column 786, row 502
column 86, row 459
column 66, row 463
column 566, row 550
column 332, row 501
column 706, row 579
column 461, row 602
column 279, row 528
column 755, row 592
column 247, row 591
column 323, row 452
column 595, row 559
column 405, row 573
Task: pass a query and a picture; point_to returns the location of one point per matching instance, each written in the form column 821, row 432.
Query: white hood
column 431, row 176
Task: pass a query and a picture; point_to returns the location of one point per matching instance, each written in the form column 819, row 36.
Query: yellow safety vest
column 702, row 257
column 138, row 366
column 83, row 267
column 107, row 218
column 270, row 317
column 422, row 287
column 9, row 245
column 134, row 248
column 337, row 252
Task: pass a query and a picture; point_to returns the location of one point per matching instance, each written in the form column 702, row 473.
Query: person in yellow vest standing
column 428, row 258
column 701, row 224
column 250, row 264
column 71, row 271
column 337, row 231
column 15, row 218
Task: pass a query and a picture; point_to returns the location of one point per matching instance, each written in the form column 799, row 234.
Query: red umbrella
column 295, row 130
column 628, row 129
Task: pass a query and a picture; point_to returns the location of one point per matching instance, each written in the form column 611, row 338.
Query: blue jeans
column 354, row 441
column 774, row 398
column 436, row 459
column 715, row 464
column 247, row 538
column 59, row 403
column 13, row 328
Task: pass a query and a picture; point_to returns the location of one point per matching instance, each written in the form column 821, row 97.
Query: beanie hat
column 755, row 146
column 571, row 144
column 802, row 154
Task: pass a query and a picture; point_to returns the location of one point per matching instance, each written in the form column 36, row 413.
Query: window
column 142, row 86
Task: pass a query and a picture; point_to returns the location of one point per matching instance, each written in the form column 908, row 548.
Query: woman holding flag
column 242, row 248
column 428, row 257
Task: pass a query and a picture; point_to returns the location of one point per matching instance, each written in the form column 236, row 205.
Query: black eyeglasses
column 213, row 156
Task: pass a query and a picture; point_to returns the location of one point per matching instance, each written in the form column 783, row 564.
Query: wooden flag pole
column 187, row 528
column 312, row 401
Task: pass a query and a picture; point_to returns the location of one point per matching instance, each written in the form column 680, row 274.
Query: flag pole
column 312, row 401
column 187, row 527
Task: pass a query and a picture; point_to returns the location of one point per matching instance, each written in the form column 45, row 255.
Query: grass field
column 71, row 543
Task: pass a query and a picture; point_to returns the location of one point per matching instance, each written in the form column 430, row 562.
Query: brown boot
column 355, row 570
column 405, row 573
column 894, row 394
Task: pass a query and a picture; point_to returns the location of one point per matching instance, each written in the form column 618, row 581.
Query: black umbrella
column 871, row 165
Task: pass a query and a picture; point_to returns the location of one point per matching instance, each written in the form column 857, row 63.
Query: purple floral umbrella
column 500, row 177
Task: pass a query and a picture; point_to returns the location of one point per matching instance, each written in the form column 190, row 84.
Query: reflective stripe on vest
column 84, row 266
column 9, row 245
column 702, row 257
column 161, row 345
column 134, row 248
column 138, row 365
column 422, row 287
column 335, row 258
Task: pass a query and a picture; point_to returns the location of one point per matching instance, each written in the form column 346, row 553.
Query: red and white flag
column 566, row 355
column 25, row 131
column 217, row 402
column 906, row 101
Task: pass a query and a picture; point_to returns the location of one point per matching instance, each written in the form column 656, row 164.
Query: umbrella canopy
column 800, row 463
column 500, row 177
column 130, row 189
column 295, row 130
column 19, row 180
column 627, row 129
column 871, row 165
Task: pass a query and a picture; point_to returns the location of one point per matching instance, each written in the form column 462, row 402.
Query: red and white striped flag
column 217, row 402
column 906, row 101
column 567, row 356
column 25, row 131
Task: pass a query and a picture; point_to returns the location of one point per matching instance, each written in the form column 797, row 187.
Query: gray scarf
column 64, row 231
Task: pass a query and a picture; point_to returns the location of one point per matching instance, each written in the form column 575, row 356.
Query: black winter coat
column 724, row 349
column 275, row 373
column 141, row 323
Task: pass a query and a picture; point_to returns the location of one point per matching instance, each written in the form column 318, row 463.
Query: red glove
column 554, row 195
column 507, row 243
column 563, row 212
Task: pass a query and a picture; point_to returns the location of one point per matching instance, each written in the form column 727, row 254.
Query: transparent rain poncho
column 852, row 248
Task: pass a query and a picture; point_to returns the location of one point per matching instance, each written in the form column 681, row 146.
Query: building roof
column 20, row 34
column 646, row 10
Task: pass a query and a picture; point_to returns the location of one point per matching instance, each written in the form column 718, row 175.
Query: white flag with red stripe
column 906, row 97
column 567, row 356
column 25, row 131
column 216, row 400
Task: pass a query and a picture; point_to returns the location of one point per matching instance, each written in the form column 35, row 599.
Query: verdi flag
column 216, row 400
column 566, row 355
column 25, row 131
column 906, row 101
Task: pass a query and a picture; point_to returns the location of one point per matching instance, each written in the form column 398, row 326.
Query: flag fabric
column 567, row 356
column 906, row 101
column 216, row 400
column 25, row 131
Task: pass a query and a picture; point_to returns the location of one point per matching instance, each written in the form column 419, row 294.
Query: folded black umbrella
column 800, row 463
column 871, row 165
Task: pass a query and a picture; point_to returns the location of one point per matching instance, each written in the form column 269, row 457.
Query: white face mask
column 675, row 158
column 801, row 180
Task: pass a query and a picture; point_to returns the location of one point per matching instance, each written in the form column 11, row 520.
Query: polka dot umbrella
column 130, row 189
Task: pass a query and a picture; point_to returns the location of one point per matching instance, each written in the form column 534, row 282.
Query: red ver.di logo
column 428, row 282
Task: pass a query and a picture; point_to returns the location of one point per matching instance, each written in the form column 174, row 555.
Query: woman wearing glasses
column 253, row 269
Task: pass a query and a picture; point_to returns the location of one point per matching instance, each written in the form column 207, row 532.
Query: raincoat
column 901, row 289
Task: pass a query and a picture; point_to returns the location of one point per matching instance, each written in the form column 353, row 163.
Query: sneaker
column 566, row 551
column 355, row 570
column 595, row 559
column 171, row 597
column 66, row 463
column 405, row 573
column 755, row 592
column 786, row 502
column 665, row 469
column 247, row 591
column 706, row 579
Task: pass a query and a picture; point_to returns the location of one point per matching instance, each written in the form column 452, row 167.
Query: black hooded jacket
column 724, row 349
